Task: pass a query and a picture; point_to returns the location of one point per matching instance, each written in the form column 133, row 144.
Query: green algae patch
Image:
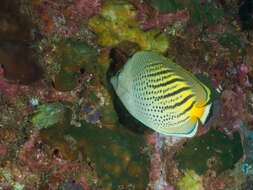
column 200, row 12
column 213, row 150
column 116, row 153
column 7, row 175
column 165, row 6
column 50, row 114
column 118, row 22
column 191, row 181
column 65, row 81
column 73, row 56
column 231, row 41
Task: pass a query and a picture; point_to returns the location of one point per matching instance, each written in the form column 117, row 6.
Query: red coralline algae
column 169, row 188
column 66, row 16
column 149, row 17
column 242, row 73
column 232, row 106
column 159, row 172
column 214, row 28
column 3, row 150
column 50, row 94
column 214, row 44
column 156, row 164
column 161, row 21
column 198, row 47
column 212, row 182
column 37, row 156
column 234, row 97
column 33, row 156
column 85, row 8
column 7, row 89
column 217, row 185
column 229, row 73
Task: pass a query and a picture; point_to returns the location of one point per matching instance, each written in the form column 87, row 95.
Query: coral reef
column 70, row 185
column 51, row 114
column 248, row 184
column 247, row 147
column 73, row 57
column 213, row 150
column 61, row 125
column 117, row 22
column 64, row 18
column 15, row 52
column 191, row 181
column 151, row 18
column 115, row 153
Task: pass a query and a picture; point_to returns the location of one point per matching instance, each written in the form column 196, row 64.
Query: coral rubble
column 61, row 124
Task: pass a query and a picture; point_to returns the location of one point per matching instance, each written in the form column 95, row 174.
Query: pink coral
column 242, row 72
column 32, row 155
column 37, row 156
column 217, row 185
column 85, row 8
column 169, row 187
column 156, row 164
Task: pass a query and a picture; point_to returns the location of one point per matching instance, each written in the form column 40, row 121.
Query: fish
column 162, row 95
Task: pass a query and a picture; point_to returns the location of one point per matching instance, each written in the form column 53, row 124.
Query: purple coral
column 87, row 109
column 94, row 117
column 70, row 185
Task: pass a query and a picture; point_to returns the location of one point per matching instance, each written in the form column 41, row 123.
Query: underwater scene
column 126, row 95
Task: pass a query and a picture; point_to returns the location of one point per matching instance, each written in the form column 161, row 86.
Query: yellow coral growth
column 118, row 22
column 191, row 181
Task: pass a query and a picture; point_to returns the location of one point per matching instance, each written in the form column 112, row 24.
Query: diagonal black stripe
column 180, row 121
column 153, row 64
column 167, row 83
column 179, row 103
column 161, row 79
column 159, row 73
column 187, row 109
column 173, row 93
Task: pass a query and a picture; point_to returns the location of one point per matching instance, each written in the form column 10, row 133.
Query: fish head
column 121, row 84
column 117, row 80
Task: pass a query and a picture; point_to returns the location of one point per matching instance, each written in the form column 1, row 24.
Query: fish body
column 162, row 95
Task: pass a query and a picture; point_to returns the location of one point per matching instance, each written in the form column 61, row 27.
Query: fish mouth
column 113, row 81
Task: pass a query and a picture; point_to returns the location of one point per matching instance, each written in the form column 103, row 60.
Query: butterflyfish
column 162, row 95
